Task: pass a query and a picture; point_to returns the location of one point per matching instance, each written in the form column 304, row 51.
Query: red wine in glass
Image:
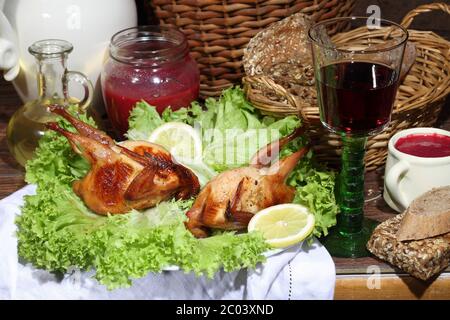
column 356, row 96
column 356, row 81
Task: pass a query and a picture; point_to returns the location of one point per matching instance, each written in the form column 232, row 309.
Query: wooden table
column 355, row 277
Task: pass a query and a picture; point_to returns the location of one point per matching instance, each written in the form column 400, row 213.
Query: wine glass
column 357, row 74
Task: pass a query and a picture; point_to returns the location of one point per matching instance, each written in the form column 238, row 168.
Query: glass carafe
column 27, row 125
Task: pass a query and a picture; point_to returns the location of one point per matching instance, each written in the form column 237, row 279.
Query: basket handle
column 408, row 19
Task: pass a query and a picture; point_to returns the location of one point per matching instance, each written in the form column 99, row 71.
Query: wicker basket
column 219, row 30
column 418, row 102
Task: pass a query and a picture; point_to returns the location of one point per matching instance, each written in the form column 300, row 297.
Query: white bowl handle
column 393, row 178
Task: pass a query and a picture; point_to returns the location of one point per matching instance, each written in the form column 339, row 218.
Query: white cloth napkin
column 300, row 272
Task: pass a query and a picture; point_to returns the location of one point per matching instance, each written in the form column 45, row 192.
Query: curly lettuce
column 315, row 188
column 231, row 128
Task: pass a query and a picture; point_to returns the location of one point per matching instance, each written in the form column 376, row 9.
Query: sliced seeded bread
column 421, row 258
column 427, row 216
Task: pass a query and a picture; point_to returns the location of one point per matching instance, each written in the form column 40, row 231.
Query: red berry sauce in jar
column 150, row 63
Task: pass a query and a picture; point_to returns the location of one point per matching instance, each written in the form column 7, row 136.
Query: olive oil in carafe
column 27, row 125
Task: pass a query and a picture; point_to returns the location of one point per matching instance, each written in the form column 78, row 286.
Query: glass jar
column 150, row 63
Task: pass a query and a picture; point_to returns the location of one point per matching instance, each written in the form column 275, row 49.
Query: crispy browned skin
column 133, row 175
column 230, row 200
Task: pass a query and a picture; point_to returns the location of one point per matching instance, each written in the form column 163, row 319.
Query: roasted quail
column 125, row 176
column 230, row 200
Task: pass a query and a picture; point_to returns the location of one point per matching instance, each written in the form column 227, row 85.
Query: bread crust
column 282, row 53
column 427, row 216
column 422, row 259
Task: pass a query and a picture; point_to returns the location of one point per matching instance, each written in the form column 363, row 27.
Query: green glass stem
column 351, row 184
column 349, row 238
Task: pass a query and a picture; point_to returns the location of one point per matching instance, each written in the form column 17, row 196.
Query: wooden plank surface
column 11, row 174
column 391, row 287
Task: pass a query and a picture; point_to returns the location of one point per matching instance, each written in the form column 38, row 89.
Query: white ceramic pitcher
column 87, row 24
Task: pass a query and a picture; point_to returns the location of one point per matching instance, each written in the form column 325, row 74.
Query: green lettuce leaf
column 232, row 130
column 142, row 121
column 314, row 188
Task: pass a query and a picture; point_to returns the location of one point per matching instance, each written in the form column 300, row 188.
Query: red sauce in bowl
column 423, row 145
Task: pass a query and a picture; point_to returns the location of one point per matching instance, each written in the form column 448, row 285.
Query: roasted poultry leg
column 230, row 200
column 133, row 175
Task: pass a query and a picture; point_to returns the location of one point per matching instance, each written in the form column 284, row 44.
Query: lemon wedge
column 180, row 139
column 283, row 225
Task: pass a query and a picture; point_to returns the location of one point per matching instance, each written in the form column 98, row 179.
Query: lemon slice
column 180, row 139
column 283, row 225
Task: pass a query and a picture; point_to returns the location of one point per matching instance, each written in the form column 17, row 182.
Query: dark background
column 393, row 10
column 436, row 21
